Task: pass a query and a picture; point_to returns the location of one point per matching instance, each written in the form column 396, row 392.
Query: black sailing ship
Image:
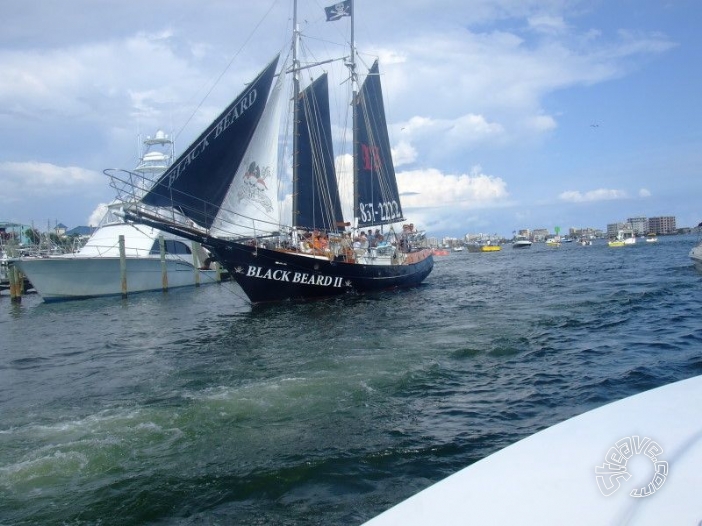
column 222, row 193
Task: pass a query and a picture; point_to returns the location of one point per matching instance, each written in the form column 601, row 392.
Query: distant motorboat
column 152, row 259
column 623, row 239
column 627, row 241
column 622, row 242
column 696, row 256
column 457, row 248
column 483, row 247
column 521, row 242
column 553, row 242
column 651, row 238
column 490, row 248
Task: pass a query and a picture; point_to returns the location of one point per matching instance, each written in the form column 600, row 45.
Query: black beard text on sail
column 230, row 118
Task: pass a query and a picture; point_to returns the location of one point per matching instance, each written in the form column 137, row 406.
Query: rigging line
column 234, row 57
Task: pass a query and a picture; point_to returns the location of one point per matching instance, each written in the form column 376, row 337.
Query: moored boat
column 119, row 257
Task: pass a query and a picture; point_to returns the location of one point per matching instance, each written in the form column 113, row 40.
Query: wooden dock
column 12, row 280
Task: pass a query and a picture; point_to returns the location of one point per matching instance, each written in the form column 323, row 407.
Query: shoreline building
column 613, row 229
column 639, row 225
column 662, row 225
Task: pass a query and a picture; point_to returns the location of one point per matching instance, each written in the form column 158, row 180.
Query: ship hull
column 64, row 278
column 272, row 275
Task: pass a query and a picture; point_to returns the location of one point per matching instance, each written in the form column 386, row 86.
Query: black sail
column 317, row 202
column 376, row 198
column 197, row 182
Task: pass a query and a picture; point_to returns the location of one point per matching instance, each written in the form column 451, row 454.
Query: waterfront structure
column 613, row 229
column 639, row 225
column 662, row 225
column 13, row 232
column 539, row 234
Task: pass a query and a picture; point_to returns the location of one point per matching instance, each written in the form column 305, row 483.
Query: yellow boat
column 490, row 248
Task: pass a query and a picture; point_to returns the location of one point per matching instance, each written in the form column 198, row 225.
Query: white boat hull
column 95, row 270
column 551, row 477
column 65, row 278
column 696, row 256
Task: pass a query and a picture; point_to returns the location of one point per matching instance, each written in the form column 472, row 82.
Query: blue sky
column 491, row 103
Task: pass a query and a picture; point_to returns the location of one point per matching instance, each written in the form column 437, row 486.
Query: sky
column 503, row 114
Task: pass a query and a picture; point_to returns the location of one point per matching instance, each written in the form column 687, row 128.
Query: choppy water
column 192, row 408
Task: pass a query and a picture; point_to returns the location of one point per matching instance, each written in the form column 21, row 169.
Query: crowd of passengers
column 318, row 241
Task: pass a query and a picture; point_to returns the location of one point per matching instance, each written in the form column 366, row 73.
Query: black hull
column 270, row 275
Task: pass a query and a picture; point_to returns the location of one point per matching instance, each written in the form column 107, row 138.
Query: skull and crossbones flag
column 336, row 11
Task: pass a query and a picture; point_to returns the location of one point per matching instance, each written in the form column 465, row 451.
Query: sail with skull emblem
column 251, row 204
column 198, row 181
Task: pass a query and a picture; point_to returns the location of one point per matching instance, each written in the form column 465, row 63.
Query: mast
column 296, row 106
column 354, row 93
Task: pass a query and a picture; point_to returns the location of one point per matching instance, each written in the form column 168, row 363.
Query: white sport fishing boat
column 96, row 269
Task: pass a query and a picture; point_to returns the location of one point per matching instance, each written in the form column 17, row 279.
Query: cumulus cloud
column 35, row 178
column 431, row 199
column 431, row 188
column 435, row 139
column 643, row 192
column 403, row 153
column 548, row 24
column 97, row 214
column 541, row 123
column 601, row 194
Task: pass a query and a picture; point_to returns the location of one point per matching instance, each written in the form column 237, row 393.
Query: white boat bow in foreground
column 635, row 461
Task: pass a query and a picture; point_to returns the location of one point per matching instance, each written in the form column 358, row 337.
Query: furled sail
column 317, row 203
column 376, row 197
column 251, row 206
column 197, row 182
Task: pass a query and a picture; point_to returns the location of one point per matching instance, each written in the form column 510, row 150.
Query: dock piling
column 164, row 268
column 123, row 265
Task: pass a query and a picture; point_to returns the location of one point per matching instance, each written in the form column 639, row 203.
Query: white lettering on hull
column 304, row 278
